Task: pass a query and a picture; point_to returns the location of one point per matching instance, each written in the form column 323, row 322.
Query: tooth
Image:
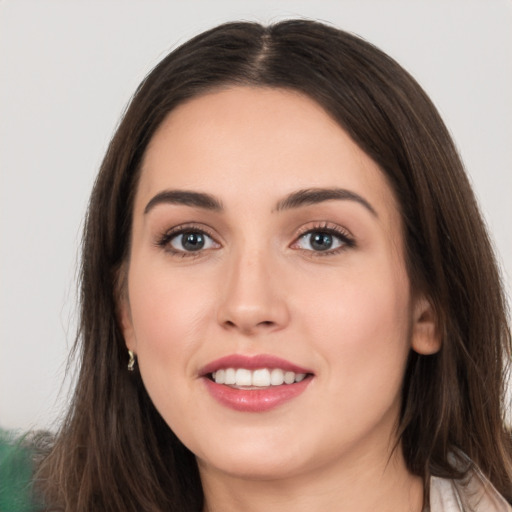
column 243, row 377
column 220, row 376
column 289, row 377
column 230, row 376
column 276, row 377
column 261, row 378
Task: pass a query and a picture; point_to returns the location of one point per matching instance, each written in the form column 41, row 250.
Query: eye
column 324, row 240
column 186, row 240
column 319, row 241
column 191, row 241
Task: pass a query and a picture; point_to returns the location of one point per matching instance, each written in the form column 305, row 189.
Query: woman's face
column 266, row 245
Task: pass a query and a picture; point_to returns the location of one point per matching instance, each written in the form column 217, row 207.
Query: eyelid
column 163, row 240
column 324, row 226
column 348, row 240
column 346, row 237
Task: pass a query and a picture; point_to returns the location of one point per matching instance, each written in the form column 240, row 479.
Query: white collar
column 474, row 493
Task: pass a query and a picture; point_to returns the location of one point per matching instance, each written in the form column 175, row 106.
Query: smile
column 254, row 383
column 260, row 378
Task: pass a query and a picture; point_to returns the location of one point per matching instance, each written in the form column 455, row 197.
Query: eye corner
column 330, row 239
column 200, row 240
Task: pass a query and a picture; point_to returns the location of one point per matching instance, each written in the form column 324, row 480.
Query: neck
column 363, row 484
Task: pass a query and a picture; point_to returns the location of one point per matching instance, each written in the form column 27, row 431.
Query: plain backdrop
column 67, row 71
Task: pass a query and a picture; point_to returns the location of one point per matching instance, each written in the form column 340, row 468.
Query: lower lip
column 255, row 400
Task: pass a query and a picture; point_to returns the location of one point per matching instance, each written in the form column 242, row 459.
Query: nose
column 253, row 296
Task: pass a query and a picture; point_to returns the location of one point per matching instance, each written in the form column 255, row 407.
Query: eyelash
column 164, row 241
column 343, row 235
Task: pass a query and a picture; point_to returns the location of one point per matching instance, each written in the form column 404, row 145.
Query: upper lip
column 251, row 363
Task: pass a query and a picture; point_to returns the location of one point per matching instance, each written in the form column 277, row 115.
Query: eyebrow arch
column 318, row 195
column 185, row 197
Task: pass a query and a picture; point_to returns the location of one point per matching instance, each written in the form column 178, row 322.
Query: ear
column 125, row 321
column 425, row 339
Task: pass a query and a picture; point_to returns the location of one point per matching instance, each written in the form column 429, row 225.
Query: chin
column 255, row 462
column 263, row 470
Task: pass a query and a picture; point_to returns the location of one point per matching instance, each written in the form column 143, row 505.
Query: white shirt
column 472, row 494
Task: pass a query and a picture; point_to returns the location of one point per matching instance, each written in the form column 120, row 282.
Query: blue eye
column 191, row 241
column 322, row 241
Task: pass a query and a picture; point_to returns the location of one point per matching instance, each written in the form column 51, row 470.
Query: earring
column 131, row 361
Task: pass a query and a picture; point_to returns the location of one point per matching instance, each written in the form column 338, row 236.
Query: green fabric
column 16, row 472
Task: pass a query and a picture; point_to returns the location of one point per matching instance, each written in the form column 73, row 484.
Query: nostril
column 249, row 327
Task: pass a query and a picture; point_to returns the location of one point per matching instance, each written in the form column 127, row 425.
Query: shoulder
column 474, row 493
column 16, row 473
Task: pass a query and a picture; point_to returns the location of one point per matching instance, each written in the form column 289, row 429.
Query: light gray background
column 67, row 70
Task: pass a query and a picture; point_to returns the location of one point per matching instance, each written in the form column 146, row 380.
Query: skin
column 259, row 287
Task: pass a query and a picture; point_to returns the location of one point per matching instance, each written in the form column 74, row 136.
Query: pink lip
column 253, row 400
column 251, row 363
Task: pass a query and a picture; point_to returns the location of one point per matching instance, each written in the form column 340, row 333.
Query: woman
column 288, row 295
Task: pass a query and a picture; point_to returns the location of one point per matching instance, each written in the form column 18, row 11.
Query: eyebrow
column 296, row 199
column 185, row 197
column 319, row 195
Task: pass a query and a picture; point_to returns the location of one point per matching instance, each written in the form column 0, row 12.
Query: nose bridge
column 252, row 299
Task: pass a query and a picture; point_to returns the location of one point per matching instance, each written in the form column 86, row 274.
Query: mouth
column 244, row 378
column 254, row 383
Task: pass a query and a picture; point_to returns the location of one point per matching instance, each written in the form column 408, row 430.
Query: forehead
column 257, row 142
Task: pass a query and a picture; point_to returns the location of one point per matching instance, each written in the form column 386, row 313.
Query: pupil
column 193, row 241
column 321, row 241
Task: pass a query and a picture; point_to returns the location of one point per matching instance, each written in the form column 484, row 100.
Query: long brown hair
column 114, row 452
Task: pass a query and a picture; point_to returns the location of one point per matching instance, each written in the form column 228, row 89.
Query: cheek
column 167, row 310
column 362, row 340
column 168, row 313
column 362, row 324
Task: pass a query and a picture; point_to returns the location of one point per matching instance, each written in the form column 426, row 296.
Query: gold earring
column 131, row 361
